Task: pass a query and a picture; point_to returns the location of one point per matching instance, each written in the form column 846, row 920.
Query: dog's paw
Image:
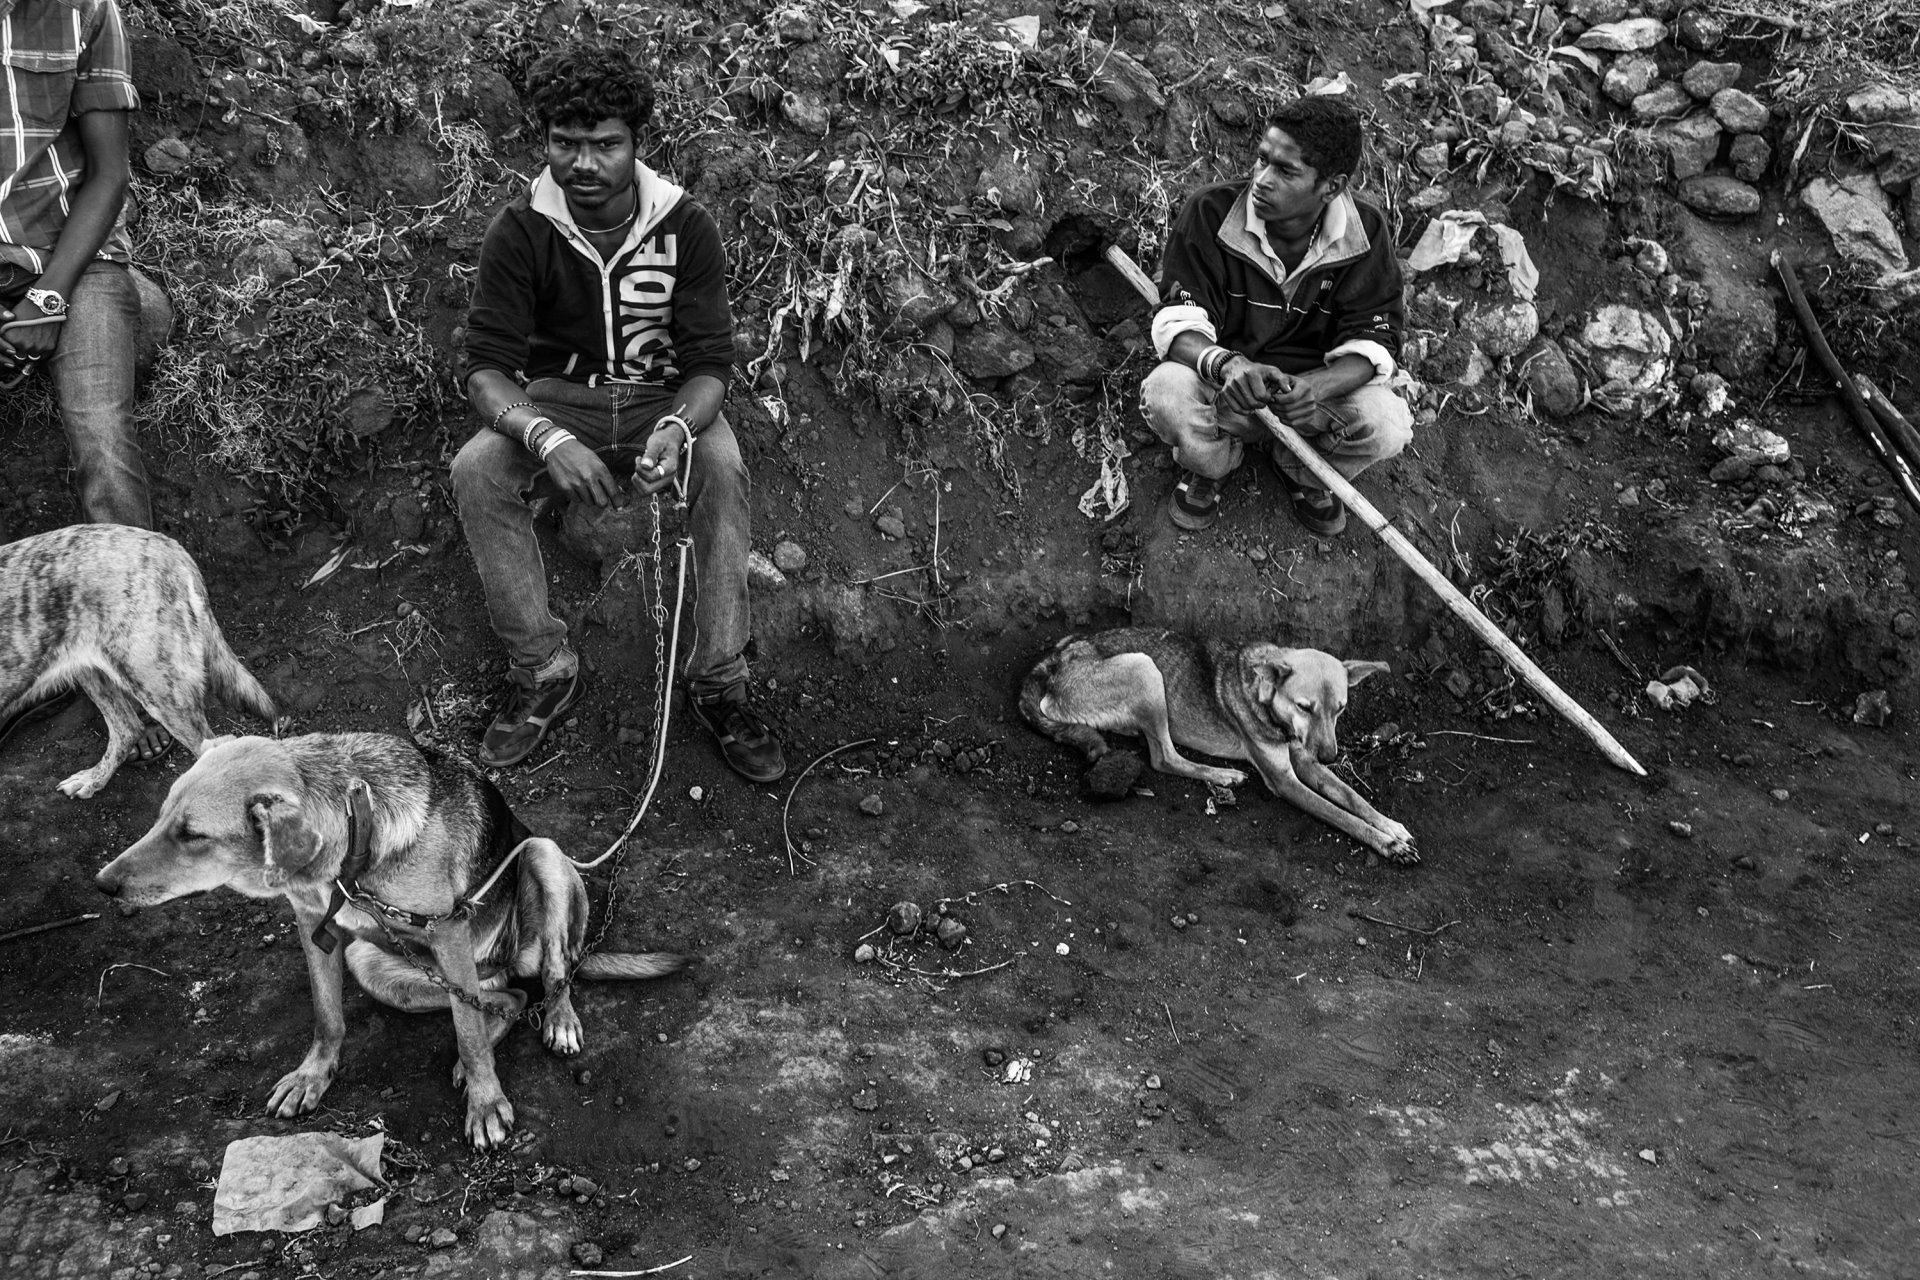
column 1398, row 846
column 299, row 1091
column 563, row 1033
column 489, row 1121
column 83, row 785
column 1225, row 777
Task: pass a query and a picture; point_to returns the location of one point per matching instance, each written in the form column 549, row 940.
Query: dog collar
column 359, row 854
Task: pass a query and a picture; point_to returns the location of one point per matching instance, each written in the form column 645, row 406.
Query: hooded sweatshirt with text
column 546, row 305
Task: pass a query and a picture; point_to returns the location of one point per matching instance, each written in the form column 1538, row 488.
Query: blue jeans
column 92, row 369
column 1208, row 439
column 493, row 482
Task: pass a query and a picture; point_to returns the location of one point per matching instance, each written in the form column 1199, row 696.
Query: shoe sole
column 1325, row 528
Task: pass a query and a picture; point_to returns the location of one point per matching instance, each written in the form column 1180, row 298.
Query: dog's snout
column 109, row 885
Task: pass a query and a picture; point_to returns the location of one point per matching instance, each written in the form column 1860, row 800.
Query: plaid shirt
column 58, row 60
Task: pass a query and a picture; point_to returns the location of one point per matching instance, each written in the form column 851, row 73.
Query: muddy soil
column 1661, row 1026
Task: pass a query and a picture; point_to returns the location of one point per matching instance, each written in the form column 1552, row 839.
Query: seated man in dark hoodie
column 1284, row 292
column 600, row 343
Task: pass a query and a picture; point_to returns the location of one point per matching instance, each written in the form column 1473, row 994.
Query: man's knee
column 1381, row 420
column 716, row 457
column 486, row 462
column 1170, row 396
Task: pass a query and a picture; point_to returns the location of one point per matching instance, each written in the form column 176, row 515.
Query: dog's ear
column 288, row 841
column 1268, row 679
column 1358, row 671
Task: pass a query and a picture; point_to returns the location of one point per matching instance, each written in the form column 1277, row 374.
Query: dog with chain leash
column 416, row 862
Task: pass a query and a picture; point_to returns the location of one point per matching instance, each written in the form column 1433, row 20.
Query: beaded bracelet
column 500, row 416
column 1213, row 363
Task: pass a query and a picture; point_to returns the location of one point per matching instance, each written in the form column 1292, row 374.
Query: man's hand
column 29, row 341
column 661, row 462
column 1248, row 386
column 1299, row 407
column 578, row 472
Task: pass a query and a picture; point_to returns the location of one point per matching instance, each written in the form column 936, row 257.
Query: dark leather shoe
column 533, row 707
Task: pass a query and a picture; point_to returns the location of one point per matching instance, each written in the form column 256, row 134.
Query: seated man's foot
column 534, row 705
column 745, row 740
column 151, row 746
column 1196, row 502
column 1318, row 509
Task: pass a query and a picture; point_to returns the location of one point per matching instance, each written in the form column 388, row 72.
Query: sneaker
column 532, row 708
column 1195, row 504
column 745, row 740
column 1318, row 509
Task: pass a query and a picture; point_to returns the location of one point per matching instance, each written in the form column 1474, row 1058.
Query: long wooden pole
column 1463, row 608
column 1882, row 444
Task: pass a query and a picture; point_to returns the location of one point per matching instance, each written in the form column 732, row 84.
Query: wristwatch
column 49, row 302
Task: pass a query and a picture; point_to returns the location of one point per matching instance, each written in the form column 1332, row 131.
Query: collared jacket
column 1219, row 276
column 59, row 59
column 546, row 305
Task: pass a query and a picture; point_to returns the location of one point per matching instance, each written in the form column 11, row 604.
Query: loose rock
column 1740, row 111
column 1662, row 103
column 1629, row 77
column 1719, row 196
column 1550, row 376
column 790, row 557
column 1750, row 155
column 1704, row 79
column 1854, row 210
column 864, row 953
column 1692, row 144
column 904, row 917
column 872, row 805
column 950, row 932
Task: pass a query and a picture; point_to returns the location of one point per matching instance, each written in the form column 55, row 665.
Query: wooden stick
column 1863, row 417
column 1463, row 608
column 1894, row 422
column 32, row 929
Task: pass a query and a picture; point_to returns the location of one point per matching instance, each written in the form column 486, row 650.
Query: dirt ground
column 1662, row 1025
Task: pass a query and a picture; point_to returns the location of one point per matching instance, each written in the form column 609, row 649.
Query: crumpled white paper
column 1449, row 234
column 286, row 1183
column 1680, row 687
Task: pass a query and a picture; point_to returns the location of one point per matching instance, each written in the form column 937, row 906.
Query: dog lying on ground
column 269, row 818
column 1274, row 707
column 123, row 614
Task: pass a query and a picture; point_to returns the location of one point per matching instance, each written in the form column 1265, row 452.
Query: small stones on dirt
column 999, row 1230
column 1152, row 1081
column 993, row 1057
column 588, row 1254
column 1682, row 829
column 950, row 932
column 1883, row 829
column 864, row 953
column 903, row 918
column 442, row 1238
column 891, row 525
column 1872, row 708
column 1648, row 1154
column 1178, row 922
column 872, row 805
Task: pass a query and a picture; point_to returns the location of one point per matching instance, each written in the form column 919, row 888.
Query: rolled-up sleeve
column 104, row 75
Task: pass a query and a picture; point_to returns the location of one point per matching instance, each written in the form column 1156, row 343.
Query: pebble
column 996, row 1154
column 584, row 1186
column 865, row 1100
column 891, row 526
column 1883, row 828
column 1069, row 826
column 585, row 1077
column 118, row 1166
column 1153, row 1082
column 790, row 557
column 1780, row 793
column 1178, row 922
column 950, row 932
column 1682, row 829
column 1647, row 1154
column 864, row 953
column 442, row 1238
column 992, row 1057
column 999, row 1230
column 692, row 1165
column 904, row 917
column 109, row 1102
column 135, row 1201
column 588, row 1254
column 873, row 806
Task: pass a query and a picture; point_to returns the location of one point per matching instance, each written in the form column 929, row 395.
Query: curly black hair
column 585, row 83
column 1326, row 130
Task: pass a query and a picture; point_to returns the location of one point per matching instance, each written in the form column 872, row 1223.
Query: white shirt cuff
column 1170, row 322
column 1378, row 356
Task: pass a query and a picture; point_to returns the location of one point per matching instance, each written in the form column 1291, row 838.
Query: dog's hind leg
column 122, row 715
column 553, row 925
column 1147, row 708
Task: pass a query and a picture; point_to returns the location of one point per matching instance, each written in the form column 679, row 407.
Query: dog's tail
column 631, row 966
column 235, row 682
